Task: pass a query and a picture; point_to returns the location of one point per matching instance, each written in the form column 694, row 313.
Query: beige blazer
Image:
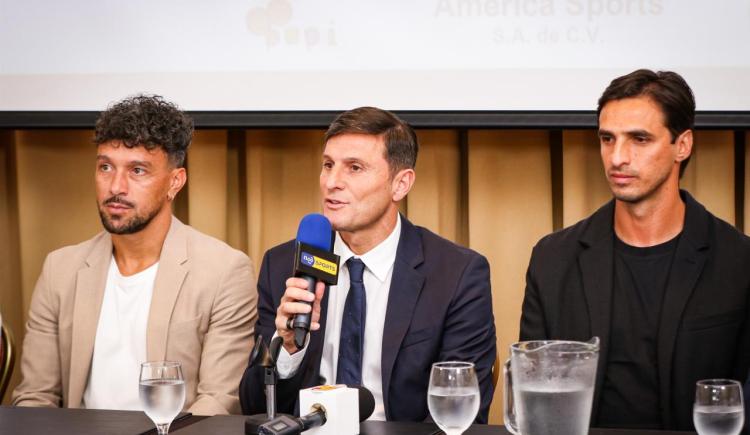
column 203, row 312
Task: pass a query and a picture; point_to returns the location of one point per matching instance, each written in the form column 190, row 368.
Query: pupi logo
column 307, row 259
column 272, row 23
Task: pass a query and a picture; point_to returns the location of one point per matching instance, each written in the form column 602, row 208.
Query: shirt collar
column 379, row 259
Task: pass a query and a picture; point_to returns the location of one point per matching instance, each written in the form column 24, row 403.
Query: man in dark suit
column 405, row 298
column 659, row 279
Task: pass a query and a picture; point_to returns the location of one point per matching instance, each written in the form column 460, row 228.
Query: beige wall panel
column 585, row 187
column 11, row 305
column 747, row 183
column 435, row 199
column 709, row 176
column 237, row 224
column 283, row 169
column 11, row 294
column 207, row 182
column 510, row 208
column 56, row 197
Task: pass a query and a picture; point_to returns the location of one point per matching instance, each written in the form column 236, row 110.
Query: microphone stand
column 266, row 356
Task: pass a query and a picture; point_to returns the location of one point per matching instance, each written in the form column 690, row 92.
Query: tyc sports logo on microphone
column 313, row 261
column 318, row 263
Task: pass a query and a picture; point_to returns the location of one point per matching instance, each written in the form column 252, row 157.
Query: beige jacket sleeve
column 40, row 362
column 228, row 341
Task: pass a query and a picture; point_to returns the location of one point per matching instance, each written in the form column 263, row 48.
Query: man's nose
column 620, row 153
column 119, row 184
column 333, row 178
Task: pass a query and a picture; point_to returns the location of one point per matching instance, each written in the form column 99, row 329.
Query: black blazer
column 703, row 330
column 439, row 309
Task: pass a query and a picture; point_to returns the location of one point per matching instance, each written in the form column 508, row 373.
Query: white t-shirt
column 120, row 345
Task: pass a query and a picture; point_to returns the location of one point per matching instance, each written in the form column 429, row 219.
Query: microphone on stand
column 265, row 356
column 331, row 413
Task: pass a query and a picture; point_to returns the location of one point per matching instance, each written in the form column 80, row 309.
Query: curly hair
column 148, row 121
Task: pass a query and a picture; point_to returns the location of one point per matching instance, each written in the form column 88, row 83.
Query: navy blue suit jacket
column 439, row 309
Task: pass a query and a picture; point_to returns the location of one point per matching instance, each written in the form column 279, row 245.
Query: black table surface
column 235, row 425
column 54, row 421
column 32, row 421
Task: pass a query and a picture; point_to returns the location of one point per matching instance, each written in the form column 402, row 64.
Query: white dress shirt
column 377, row 279
column 120, row 345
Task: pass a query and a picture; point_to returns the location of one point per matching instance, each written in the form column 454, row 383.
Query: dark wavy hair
column 148, row 121
column 400, row 139
column 668, row 89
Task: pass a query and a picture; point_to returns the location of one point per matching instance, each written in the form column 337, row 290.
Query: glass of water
column 718, row 408
column 162, row 392
column 453, row 396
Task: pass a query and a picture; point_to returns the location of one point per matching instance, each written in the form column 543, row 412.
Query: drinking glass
column 453, row 396
column 718, row 408
column 162, row 392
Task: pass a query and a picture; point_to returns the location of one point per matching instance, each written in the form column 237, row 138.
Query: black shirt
column 630, row 393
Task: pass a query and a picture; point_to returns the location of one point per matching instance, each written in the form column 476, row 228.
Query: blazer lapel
column 89, row 293
column 169, row 278
column 687, row 266
column 406, row 286
column 596, row 264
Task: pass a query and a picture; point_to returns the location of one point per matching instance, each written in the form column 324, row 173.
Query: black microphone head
column 259, row 354
column 275, row 348
column 366, row 402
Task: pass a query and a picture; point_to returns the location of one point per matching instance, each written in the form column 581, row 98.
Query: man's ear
column 684, row 143
column 402, row 183
column 177, row 180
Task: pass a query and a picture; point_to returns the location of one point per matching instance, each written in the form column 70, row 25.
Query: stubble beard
column 640, row 196
column 135, row 224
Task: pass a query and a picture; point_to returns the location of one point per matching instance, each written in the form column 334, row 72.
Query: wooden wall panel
column 510, row 208
column 435, row 198
column 283, row 169
column 709, row 176
column 56, row 197
column 207, row 183
column 237, row 208
column 585, row 186
column 11, row 293
column 56, row 200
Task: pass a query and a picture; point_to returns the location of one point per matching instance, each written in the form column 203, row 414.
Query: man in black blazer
column 427, row 299
column 659, row 279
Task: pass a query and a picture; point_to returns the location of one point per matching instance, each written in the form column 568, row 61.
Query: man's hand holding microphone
column 315, row 265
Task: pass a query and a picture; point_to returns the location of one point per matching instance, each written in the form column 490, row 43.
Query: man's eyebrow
column 346, row 159
column 139, row 163
column 639, row 132
column 104, row 157
column 353, row 160
column 636, row 132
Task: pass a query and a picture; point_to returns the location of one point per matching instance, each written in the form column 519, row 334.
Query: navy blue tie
column 352, row 340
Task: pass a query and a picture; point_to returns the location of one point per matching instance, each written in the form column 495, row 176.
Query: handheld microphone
column 313, row 261
column 334, row 409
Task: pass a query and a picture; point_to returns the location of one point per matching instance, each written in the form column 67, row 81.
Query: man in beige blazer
column 202, row 308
